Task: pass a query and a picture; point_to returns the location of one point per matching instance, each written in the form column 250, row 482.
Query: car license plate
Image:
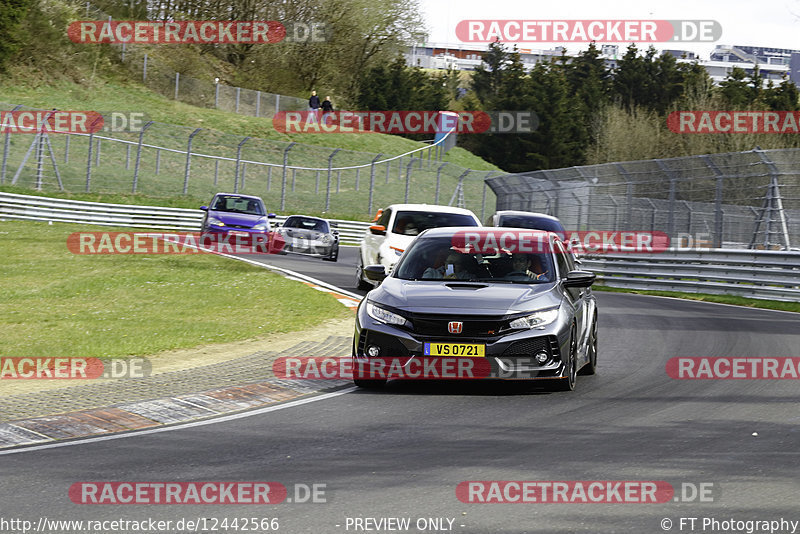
column 234, row 232
column 473, row 350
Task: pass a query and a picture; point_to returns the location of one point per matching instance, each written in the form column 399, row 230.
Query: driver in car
column 527, row 265
column 454, row 267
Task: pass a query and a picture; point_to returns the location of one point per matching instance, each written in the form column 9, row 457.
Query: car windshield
column 531, row 222
column 307, row 223
column 436, row 258
column 237, row 204
column 415, row 222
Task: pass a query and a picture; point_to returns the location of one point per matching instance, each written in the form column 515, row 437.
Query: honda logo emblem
column 455, row 327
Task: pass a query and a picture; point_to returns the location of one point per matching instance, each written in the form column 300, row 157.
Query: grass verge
column 705, row 297
column 58, row 304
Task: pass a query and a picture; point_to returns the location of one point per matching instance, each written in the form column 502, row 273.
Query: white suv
column 396, row 226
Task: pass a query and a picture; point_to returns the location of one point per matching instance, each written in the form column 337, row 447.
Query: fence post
column 408, row 178
column 483, row 200
column 388, row 167
column 277, row 103
column 372, row 182
column 283, row 183
column 358, row 169
column 236, row 172
column 258, row 103
column 216, row 95
column 718, row 213
column 294, row 177
column 66, row 148
column 188, row 160
column 139, row 156
column 328, row 189
column 316, row 185
column 127, row 156
column 438, row 180
column 238, row 92
column 158, row 161
column 97, row 155
column 6, row 145
column 338, row 180
column 216, row 172
column 671, row 212
column 177, row 83
column 269, row 178
column 144, row 69
column 89, row 159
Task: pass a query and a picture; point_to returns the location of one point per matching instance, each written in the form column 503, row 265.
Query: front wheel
column 568, row 382
column 360, row 282
column 591, row 366
column 369, row 383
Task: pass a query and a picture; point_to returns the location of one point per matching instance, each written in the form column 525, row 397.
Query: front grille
column 436, row 325
column 528, row 347
column 238, row 226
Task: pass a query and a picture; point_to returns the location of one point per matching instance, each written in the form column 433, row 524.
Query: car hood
column 468, row 297
column 239, row 219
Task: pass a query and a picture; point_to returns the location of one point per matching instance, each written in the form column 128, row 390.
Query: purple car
column 236, row 214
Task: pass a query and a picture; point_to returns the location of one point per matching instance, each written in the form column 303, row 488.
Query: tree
column 735, row 89
column 11, row 15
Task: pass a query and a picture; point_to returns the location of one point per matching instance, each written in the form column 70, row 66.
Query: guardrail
column 762, row 274
column 35, row 208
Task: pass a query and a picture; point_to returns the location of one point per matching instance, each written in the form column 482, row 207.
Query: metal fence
column 166, row 160
column 737, row 200
column 762, row 274
column 34, row 208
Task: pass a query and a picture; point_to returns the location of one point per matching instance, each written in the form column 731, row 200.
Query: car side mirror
column 204, row 208
column 376, row 273
column 271, row 215
column 378, row 229
column 579, row 279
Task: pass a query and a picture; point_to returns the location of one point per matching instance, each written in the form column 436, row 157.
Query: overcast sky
column 772, row 23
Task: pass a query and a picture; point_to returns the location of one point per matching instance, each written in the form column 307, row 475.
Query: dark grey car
column 524, row 312
column 310, row 235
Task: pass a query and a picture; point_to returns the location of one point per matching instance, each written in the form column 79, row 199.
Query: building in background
column 775, row 64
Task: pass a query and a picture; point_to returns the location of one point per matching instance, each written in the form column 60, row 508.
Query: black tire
column 333, row 256
column 360, row 282
column 369, row 383
column 568, row 383
column 591, row 367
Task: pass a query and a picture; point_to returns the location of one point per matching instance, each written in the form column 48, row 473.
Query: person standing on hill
column 313, row 102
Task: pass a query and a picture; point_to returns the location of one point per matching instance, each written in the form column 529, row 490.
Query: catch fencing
column 733, row 200
column 161, row 160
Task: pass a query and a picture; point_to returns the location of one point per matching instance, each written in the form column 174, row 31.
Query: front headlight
column 215, row 222
column 538, row 318
column 326, row 238
column 261, row 227
column 384, row 316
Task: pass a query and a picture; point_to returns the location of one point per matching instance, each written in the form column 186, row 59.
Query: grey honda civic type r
column 510, row 300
